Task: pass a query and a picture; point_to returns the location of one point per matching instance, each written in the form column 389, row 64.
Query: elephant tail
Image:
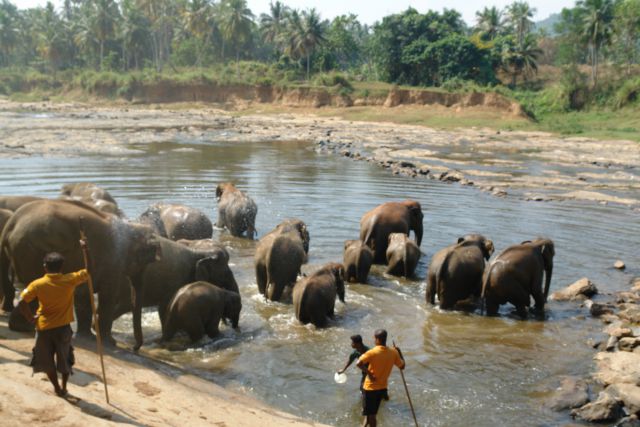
column 370, row 230
column 6, row 284
column 485, row 282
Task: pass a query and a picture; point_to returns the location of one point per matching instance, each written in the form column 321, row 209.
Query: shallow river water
column 461, row 369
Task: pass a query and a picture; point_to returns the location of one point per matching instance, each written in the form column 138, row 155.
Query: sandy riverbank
column 142, row 392
column 533, row 166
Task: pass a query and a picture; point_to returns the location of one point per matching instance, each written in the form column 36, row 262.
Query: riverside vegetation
column 574, row 73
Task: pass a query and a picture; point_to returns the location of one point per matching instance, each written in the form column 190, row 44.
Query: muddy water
column 462, row 369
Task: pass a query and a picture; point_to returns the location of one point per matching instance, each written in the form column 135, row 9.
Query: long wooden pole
column 406, row 389
column 96, row 323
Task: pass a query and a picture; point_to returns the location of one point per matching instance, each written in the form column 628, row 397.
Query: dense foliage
column 410, row 48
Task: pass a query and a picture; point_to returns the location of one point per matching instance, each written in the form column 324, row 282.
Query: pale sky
column 369, row 11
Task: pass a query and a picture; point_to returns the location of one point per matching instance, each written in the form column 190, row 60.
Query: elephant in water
column 92, row 195
column 516, row 274
column 5, row 214
column 357, row 259
column 455, row 272
column 236, row 211
column 387, row 218
column 314, row 296
column 120, row 251
column 12, row 203
column 279, row 256
column 178, row 266
column 402, row 255
column 177, row 222
column 197, row 308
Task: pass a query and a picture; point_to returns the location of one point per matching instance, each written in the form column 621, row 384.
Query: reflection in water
column 460, row 367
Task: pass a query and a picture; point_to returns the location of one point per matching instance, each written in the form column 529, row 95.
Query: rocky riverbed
column 530, row 165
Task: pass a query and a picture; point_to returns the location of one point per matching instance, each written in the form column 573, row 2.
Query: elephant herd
column 167, row 259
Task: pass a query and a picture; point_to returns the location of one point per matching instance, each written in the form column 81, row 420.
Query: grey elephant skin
column 515, row 276
column 92, row 195
column 12, row 203
column 178, row 266
column 402, row 255
column 236, row 211
column 455, row 272
column 279, row 256
column 387, row 218
column 177, row 222
column 197, row 308
column 314, row 296
column 357, row 260
column 119, row 252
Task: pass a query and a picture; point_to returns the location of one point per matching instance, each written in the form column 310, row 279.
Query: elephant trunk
column 136, row 296
column 404, row 261
column 547, row 279
column 418, row 233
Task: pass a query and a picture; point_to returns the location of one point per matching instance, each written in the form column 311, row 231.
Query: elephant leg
column 195, row 331
column 318, row 318
column 431, row 290
column 492, row 307
column 162, row 312
column 261, row 278
column 212, row 327
column 538, row 294
column 106, row 310
column 8, row 290
column 84, row 315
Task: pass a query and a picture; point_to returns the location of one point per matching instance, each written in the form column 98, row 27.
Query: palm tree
column 490, row 22
column 197, row 19
column 597, row 29
column 521, row 58
column 309, row 33
column 518, row 14
column 103, row 17
column 273, row 25
column 134, row 34
column 236, row 21
column 49, row 31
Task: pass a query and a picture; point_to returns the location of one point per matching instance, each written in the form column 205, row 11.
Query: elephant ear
column 487, row 249
column 548, row 249
column 219, row 191
column 205, row 268
column 460, row 239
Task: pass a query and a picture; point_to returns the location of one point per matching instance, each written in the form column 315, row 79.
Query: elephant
column 357, row 259
column 177, row 221
column 197, row 308
column 402, row 255
column 5, row 214
column 178, row 266
column 236, row 211
column 206, row 245
column 455, row 272
column 387, row 218
column 516, row 274
column 92, row 195
column 119, row 252
column 12, row 203
column 314, row 296
column 279, row 256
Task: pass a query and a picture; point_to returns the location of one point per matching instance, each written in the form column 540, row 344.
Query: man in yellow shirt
column 55, row 313
column 377, row 363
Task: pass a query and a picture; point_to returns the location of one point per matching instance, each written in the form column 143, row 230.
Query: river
column 461, row 369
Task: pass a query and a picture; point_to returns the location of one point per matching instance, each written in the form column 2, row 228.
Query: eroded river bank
column 494, row 371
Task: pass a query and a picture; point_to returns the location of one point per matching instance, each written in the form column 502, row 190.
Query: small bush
column 628, row 93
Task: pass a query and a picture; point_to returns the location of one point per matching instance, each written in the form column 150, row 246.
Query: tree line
column 412, row 48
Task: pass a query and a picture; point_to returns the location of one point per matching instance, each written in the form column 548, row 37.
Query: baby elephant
column 236, row 211
column 197, row 308
column 357, row 258
column 314, row 296
column 402, row 255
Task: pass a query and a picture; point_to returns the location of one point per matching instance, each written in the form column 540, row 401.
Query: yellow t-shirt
column 381, row 360
column 55, row 298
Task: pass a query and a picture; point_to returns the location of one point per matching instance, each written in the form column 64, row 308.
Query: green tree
column 521, row 58
column 310, row 34
column 8, row 31
column 197, row 19
column 236, row 22
column 597, row 29
column 489, row 22
column 518, row 16
column 104, row 17
column 50, row 36
column 273, row 25
column 626, row 26
column 134, row 34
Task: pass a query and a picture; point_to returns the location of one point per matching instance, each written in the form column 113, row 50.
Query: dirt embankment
column 171, row 92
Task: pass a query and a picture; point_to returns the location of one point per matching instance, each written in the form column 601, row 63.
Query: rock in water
column 582, row 288
column 572, row 393
column 619, row 265
column 606, row 408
